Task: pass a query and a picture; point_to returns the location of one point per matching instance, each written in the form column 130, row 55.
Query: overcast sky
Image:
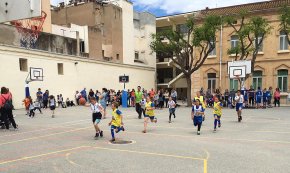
column 166, row 7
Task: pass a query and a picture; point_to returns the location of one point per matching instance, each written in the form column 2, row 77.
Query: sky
column 169, row 7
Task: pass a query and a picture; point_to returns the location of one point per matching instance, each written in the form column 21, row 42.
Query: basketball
column 82, row 101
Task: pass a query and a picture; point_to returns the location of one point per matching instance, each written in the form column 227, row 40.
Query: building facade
column 272, row 67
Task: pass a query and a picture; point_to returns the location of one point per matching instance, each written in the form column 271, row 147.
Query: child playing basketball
column 171, row 105
column 197, row 114
column 116, row 122
column 239, row 99
column 217, row 112
column 52, row 105
column 149, row 113
column 96, row 109
column 31, row 109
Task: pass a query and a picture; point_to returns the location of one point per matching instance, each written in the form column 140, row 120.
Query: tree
column 188, row 50
column 285, row 21
column 251, row 33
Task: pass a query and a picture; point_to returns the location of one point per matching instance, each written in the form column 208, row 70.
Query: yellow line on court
column 38, row 137
column 204, row 166
column 41, row 155
column 149, row 153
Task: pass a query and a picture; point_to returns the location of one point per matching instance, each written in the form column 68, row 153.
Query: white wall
column 87, row 73
column 128, row 31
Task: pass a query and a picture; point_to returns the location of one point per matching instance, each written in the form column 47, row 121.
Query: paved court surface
column 261, row 143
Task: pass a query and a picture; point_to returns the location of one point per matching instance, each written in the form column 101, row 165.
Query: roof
column 251, row 7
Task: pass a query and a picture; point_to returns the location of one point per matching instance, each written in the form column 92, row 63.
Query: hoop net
column 29, row 29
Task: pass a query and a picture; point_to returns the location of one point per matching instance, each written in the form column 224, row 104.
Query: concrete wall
column 45, row 5
column 71, row 33
column 144, row 27
column 87, row 73
column 128, row 32
column 46, row 41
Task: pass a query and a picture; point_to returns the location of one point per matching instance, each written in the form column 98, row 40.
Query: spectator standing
column 45, row 99
column 277, row 97
column 77, row 97
column 84, row 94
column 174, row 95
column 39, row 96
column 6, row 108
column 166, row 96
column 227, row 94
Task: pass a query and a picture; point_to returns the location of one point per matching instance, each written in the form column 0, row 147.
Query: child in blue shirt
column 259, row 95
column 197, row 113
column 265, row 99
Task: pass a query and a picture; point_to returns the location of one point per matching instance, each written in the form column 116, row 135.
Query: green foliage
column 250, row 32
column 182, row 45
column 285, row 20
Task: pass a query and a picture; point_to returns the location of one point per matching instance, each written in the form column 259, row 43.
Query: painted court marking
column 107, row 149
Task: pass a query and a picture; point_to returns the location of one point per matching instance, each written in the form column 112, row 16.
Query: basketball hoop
column 29, row 29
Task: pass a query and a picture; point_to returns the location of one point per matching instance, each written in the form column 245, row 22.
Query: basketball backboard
column 36, row 74
column 11, row 10
column 247, row 64
column 237, row 71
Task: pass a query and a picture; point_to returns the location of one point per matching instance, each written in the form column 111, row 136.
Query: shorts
column 259, row 101
column 104, row 105
column 197, row 120
column 52, row 108
column 151, row 117
column 239, row 106
column 96, row 117
column 171, row 110
column 219, row 116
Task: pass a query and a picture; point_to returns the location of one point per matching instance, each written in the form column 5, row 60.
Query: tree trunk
column 188, row 80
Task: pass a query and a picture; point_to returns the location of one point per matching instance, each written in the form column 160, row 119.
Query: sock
column 198, row 127
column 215, row 123
column 112, row 133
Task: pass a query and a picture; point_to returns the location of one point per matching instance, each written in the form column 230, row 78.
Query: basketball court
column 66, row 143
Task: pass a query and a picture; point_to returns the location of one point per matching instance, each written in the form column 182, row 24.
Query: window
column 283, row 41
column 256, row 45
column 182, row 28
column 234, row 84
column 59, row 50
column 257, row 79
column 213, row 52
column 136, row 55
column 118, row 57
column 234, row 41
column 82, row 46
column 60, row 68
column 283, row 80
column 211, row 81
column 23, row 64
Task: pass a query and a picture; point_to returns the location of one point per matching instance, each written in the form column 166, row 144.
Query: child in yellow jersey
column 117, row 121
column 149, row 113
column 217, row 112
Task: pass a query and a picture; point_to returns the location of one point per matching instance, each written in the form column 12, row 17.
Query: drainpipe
column 221, row 54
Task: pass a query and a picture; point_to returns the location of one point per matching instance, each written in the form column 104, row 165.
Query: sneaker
column 174, row 116
column 144, row 131
column 241, row 118
column 52, row 116
column 123, row 128
column 113, row 140
column 97, row 135
column 214, row 130
column 198, row 132
column 155, row 120
column 219, row 125
column 101, row 134
column 169, row 121
column 139, row 117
